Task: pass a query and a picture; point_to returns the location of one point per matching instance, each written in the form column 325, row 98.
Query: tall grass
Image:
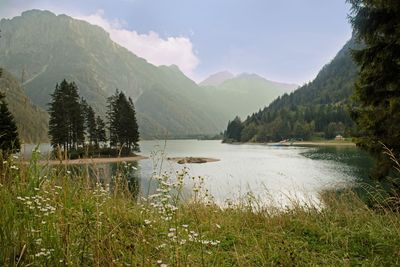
column 55, row 217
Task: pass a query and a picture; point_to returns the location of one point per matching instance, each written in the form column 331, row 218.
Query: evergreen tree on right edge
column 376, row 24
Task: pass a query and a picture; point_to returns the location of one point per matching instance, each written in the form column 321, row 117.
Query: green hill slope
column 317, row 109
column 32, row 122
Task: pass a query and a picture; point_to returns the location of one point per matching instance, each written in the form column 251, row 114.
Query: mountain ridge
column 78, row 51
column 43, row 49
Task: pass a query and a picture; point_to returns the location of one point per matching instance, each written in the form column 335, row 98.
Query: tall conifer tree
column 377, row 92
column 100, row 131
column 9, row 140
column 66, row 126
column 124, row 132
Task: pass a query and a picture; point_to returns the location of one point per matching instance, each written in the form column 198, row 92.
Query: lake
column 273, row 174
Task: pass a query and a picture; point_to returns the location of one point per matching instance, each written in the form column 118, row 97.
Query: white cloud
column 155, row 49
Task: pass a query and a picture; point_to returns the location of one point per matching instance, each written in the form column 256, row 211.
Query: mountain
column 43, row 49
column 245, row 93
column 217, row 78
column 317, row 109
column 32, row 122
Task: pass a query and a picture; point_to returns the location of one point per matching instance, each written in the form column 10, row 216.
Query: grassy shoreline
column 59, row 218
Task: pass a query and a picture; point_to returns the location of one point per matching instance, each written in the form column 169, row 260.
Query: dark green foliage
column 123, row 128
column 9, row 140
column 234, row 129
column 377, row 90
column 66, row 126
column 317, row 109
column 91, row 125
column 100, row 130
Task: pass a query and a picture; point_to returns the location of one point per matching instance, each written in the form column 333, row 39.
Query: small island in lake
column 199, row 160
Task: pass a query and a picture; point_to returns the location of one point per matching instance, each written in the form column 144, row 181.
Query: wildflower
column 14, row 167
column 163, row 245
column 171, row 234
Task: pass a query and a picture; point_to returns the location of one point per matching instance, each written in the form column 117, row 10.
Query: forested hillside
column 32, row 121
column 316, row 110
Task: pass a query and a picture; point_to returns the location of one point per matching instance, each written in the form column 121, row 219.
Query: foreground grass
column 56, row 218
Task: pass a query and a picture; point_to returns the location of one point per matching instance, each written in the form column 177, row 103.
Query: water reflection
column 274, row 174
column 111, row 175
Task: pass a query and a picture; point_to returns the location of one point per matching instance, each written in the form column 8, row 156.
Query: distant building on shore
column 339, row 138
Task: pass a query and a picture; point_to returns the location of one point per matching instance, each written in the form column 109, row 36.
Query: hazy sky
column 282, row 40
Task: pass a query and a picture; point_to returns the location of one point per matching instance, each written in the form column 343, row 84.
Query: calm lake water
column 271, row 173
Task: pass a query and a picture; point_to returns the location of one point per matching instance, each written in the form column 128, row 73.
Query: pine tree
column 112, row 119
column 132, row 127
column 123, row 126
column 9, row 141
column 234, row 130
column 91, row 125
column 66, row 126
column 58, row 123
column 76, row 114
column 377, row 91
column 100, row 131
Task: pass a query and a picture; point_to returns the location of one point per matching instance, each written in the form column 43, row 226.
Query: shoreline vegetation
column 55, row 217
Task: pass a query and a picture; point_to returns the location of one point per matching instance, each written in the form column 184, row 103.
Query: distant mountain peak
column 249, row 75
column 217, row 78
column 36, row 12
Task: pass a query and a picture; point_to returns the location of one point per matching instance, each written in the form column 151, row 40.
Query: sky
column 281, row 40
